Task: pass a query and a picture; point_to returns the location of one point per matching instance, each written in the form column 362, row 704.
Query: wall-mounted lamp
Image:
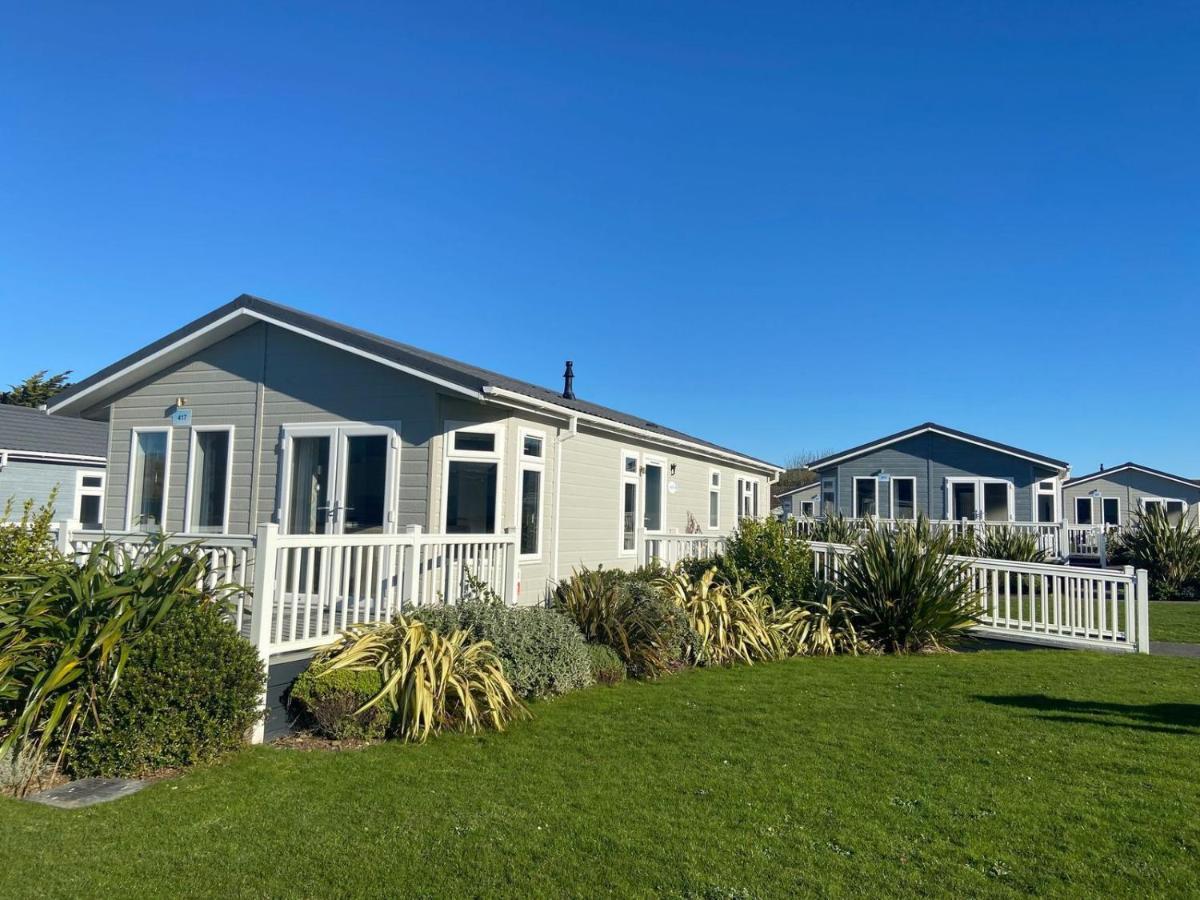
column 180, row 402
column 672, row 470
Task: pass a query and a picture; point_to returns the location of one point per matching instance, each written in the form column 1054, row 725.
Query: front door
column 962, row 500
column 338, row 479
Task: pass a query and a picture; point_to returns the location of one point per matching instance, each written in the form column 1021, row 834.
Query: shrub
column 189, row 691
column 543, row 652
column 429, row 682
column 729, row 620
column 330, row 705
column 67, row 630
column 823, row 626
column 607, row 667
column 626, row 612
column 1169, row 552
column 27, row 544
column 905, row 592
column 835, row 529
column 765, row 554
column 1004, row 542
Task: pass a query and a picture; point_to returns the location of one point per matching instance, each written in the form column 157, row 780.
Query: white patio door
column 339, row 479
column 986, row 499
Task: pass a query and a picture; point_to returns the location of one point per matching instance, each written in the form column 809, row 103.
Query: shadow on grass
column 1168, row 718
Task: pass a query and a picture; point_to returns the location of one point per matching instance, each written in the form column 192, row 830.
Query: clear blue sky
column 782, row 227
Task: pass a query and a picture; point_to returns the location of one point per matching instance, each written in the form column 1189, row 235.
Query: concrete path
column 1167, row 648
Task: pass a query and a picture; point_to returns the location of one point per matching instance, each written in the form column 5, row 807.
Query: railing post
column 1102, row 547
column 63, row 539
column 1142, row 604
column 261, row 607
column 410, row 595
column 511, row 575
column 1064, row 541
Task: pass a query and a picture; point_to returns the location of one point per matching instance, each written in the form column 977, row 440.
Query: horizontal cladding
column 931, row 459
column 1129, row 487
column 21, row 481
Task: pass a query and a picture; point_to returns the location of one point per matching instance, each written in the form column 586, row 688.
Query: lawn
column 1001, row 772
column 1175, row 620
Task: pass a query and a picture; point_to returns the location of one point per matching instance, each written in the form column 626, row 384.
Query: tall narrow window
column 629, row 503
column 148, row 480
column 904, row 498
column 714, row 499
column 747, row 496
column 995, row 501
column 1111, row 510
column 89, row 499
column 828, row 497
column 864, row 497
column 472, row 479
column 653, row 505
column 1083, row 510
column 754, row 498
column 1046, row 502
column 209, row 481
column 529, row 506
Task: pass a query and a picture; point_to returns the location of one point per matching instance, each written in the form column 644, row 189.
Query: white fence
column 1044, row 603
column 669, row 549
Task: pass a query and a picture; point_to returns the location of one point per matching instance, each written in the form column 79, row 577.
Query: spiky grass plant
column 430, row 682
column 1168, row 551
column 822, row 626
column 1006, row 542
column 906, row 591
column 730, row 620
column 66, row 631
column 614, row 610
column 835, row 529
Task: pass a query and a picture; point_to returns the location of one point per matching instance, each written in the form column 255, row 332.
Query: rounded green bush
column 189, row 692
column 607, row 667
column 327, row 703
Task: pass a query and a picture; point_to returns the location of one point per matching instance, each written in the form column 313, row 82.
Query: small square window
column 531, row 445
column 631, row 464
column 475, row 441
column 93, row 481
column 716, row 479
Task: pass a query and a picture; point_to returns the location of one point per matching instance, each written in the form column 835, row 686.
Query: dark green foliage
column 764, row 554
column 542, row 651
column 628, row 613
column 328, row 704
column 1004, row 542
column 835, row 529
column 36, row 390
column 1168, row 551
column 188, row 693
column 607, row 667
column 905, row 592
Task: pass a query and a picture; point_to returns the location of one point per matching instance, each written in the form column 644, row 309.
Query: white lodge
column 259, row 414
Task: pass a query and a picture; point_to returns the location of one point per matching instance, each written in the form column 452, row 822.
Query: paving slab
column 1168, row 648
column 87, row 792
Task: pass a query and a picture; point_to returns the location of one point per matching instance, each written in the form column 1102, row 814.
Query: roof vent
column 1101, row 467
column 569, row 381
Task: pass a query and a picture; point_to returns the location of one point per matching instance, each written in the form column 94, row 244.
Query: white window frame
column 661, row 463
column 133, row 449
column 892, row 497
column 338, row 432
column 624, row 478
column 1142, row 501
column 533, row 464
column 449, row 454
column 831, row 482
column 854, row 494
column 1091, row 501
column 82, row 491
column 747, row 498
column 193, row 440
column 812, row 509
column 1052, row 491
column 1120, row 512
column 714, row 487
column 979, row 504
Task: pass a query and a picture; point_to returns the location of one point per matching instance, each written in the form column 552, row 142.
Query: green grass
column 996, row 773
column 1175, row 620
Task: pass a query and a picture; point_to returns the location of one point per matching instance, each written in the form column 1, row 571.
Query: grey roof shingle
column 34, row 430
column 452, row 370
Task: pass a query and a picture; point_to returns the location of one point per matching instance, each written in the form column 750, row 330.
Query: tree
column 36, row 390
column 796, row 475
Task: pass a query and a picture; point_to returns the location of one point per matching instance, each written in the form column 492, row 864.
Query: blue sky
column 781, row 227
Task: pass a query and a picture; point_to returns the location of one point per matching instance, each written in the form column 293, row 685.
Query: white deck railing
column 1090, row 541
column 1044, row 603
column 669, row 549
column 1050, row 535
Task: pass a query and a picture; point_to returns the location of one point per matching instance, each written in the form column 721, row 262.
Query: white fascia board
column 1085, row 478
column 521, row 401
column 842, row 457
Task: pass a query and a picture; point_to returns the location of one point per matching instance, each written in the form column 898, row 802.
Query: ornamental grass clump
column 730, row 621
column 822, row 626
column 1006, row 542
column 1168, row 551
column 906, row 591
column 430, row 682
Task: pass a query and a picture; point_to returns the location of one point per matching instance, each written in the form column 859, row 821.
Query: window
column 714, row 499
column 1083, row 510
column 208, row 480
column 147, row 510
column 864, row 497
column 1046, row 502
column 654, row 505
column 995, row 501
column 807, row 508
column 89, row 499
column 1173, row 508
column 989, row 499
column 904, row 498
column 747, row 492
column 529, row 501
column 627, row 543
column 1111, row 510
column 472, row 492
column 828, row 497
